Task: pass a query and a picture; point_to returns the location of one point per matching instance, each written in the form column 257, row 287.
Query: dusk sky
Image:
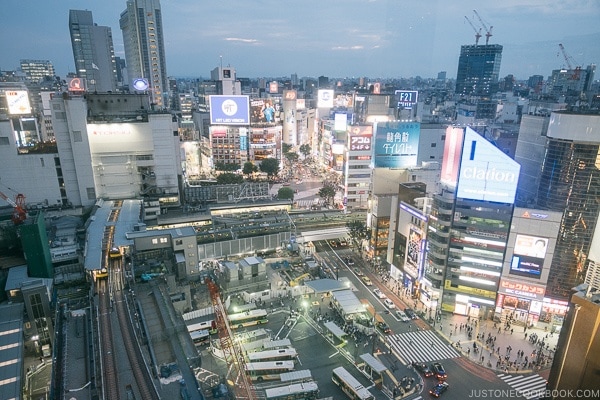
column 350, row 38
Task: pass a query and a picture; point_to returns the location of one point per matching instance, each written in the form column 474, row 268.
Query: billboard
column 229, row 110
column 341, row 121
column 452, row 152
column 528, row 256
column 396, row 144
column 406, row 98
column 413, row 247
column 290, row 95
column 273, row 87
column 262, row 111
column 325, row 98
column 76, row 85
column 486, row 172
column 18, row 102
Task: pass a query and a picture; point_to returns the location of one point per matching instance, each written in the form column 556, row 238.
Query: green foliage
column 249, row 168
column 285, row 193
column 305, row 149
column 357, row 230
column 292, row 157
column 228, row 178
column 220, row 166
column 327, row 192
column 286, row 148
column 270, row 166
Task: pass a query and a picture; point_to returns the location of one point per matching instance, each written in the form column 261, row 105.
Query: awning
column 374, row 363
column 336, row 330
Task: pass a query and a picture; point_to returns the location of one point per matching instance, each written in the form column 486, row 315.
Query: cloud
column 234, row 39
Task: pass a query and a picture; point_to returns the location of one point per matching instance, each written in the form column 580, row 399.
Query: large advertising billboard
column 396, row 144
column 229, row 110
column 340, row 122
column 18, row 102
column 263, row 111
column 452, row 152
column 360, row 137
column 325, row 98
column 406, row 98
column 528, row 256
column 486, row 172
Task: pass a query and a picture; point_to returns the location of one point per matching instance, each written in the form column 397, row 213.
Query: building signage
column 76, row 85
column 396, row 144
column 229, row 110
column 527, row 214
column 289, row 95
column 18, row 102
column 486, row 172
column 141, row 84
column 325, row 98
column 406, row 98
column 521, row 289
column 360, row 143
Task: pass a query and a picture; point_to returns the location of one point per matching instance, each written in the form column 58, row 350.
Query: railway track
column 110, row 381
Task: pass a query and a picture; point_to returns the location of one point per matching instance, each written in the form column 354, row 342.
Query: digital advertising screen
column 452, row 152
column 325, row 98
column 396, row 144
column 18, row 102
column 528, row 256
column 406, row 98
column 413, row 248
column 486, row 172
column 263, row 111
column 229, row 110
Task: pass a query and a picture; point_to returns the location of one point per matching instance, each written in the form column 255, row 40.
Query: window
column 77, row 136
column 91, row 193
column 433, row 144
column 4, row 141
column 179, row 242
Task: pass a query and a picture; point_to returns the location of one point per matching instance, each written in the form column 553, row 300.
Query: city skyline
column 351, row 39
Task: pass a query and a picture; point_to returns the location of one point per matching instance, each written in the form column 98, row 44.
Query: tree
column 249, row 168
column 286, row 148
column 292, row 157
column 221, row 166
column 285, row 193
column 270, row 166
column 327, row 192
column 228, row 178
column 305, row 150
column 357, row 230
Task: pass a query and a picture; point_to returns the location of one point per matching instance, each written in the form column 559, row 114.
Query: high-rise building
column 93, row 52
column 569, row 182
column 36, row 70
column 478, row 69
column 141, row 24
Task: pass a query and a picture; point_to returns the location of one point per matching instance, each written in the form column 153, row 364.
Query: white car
column 402, row 316
column 379, row 294
column 389, row 304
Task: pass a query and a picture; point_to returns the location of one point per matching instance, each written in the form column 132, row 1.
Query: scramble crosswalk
column 529, row 386
column 422, row 346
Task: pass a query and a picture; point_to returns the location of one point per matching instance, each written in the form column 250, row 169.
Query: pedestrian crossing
column 421, row 346
column 530, row 386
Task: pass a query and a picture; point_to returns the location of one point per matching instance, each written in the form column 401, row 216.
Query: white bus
column 349, row 385
column 200, row 338
column 268, row 370
column 209, row 325
column 274, row 355
column 297, row 391
column 248, row 318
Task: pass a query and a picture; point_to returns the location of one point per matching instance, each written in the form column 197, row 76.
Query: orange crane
column 477, row 32
column 568, row 59
column 19, row 214
column 488, row 32
column 234, row 356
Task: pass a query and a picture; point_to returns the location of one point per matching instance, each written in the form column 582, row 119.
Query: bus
column 210, row 326
column 349, row 385
column 248, row 318
column 200, row 338
column 268, row 370
column 273, row 355
column 296, row 391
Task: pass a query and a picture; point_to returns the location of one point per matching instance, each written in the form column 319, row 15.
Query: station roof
column 325, row 285
column 374, row 363
column 336, row 330
column 348, row 301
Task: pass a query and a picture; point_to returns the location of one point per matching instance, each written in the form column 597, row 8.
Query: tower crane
column 488, row 32
column 569, row 60
column 19, row 214
column 477, row 32
column 234, row 356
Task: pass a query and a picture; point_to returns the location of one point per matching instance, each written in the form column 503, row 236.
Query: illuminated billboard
column 360, row 137
column 290, row 95
column 406, row 98
column 325, row 98
column 76, row 85
column 451, row 160
column 396, row 144
column 273, row 87
column 528, row 256
column 18, row 102
column 230, row 110
column 262, row 111
column 486, row 172
column 341, row 121
column 413, row 247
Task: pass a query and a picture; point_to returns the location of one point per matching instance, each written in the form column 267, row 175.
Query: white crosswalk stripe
column 530, row 386
column 422, row 346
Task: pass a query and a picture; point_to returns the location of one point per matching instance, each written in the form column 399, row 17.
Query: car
column 349, row 261
column 438, row 389
column 333, row 243
column 389, row 303
column 343, row 242
column 422, row 368
column 410, row 313
column 379, row 294
column 439, row 371
column 383, row 327
column 402, row 316
column 358, row 272
column 367, row 280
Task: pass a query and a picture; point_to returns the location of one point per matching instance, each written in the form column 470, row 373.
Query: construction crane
column 477, row 32
column 488, row 32
column 569, row 60
column 234, row 356
column 19, row 214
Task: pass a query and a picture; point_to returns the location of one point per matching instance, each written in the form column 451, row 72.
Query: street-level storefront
column 519, row 301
